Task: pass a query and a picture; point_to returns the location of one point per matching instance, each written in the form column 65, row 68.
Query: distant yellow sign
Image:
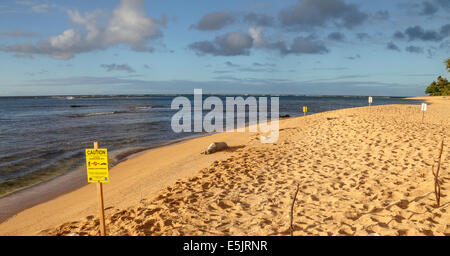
column 305, row 109
column 97, row 165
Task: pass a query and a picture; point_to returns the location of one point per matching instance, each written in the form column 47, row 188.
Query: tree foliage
column 442, row 86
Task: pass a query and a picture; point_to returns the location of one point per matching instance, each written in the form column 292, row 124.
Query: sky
column 312, row 47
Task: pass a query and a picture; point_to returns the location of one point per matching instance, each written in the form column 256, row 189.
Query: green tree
column 442, row 86
column 442, row 81
column 432, row 89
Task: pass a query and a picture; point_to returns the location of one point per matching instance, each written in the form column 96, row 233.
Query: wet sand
column 360, row 171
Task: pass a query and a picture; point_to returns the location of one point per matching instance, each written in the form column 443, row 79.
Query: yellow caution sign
column 305, row 109
column 97, row 165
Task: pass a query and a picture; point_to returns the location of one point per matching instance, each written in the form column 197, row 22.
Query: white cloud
column 117, row 67
column 128, row 25
column 231, row 44
column 37, row 7
column 17, row 33
column 68, row 39
column 41, row 8
column 239, row 43
column 88, row 21
column 256, row 34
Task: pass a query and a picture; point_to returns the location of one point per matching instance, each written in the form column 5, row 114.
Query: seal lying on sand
column 215, row 147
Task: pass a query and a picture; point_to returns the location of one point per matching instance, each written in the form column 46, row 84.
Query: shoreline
column 65, row 183
column 117, row 157
column 164, row 162
column 137, row 159
column 72, row 180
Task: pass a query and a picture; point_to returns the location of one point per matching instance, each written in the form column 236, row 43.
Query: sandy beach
column 360, row 171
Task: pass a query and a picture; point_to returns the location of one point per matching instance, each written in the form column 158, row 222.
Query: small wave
column 160, row 106
column 60, row 97
column 78, row 106
column 137, row 108
column 141, row 107
column 94, row 114
column 99, row 113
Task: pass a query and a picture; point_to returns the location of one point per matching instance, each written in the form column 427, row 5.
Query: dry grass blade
column 292, row 210
column 437, row 185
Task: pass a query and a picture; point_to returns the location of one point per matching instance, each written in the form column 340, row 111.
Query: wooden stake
column 101, row 211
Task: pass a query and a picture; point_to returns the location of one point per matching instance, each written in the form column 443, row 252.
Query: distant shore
column 147, row 179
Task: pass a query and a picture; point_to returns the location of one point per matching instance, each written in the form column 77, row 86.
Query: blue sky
column 325, row 47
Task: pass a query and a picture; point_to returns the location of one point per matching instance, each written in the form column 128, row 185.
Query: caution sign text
column 97, row 165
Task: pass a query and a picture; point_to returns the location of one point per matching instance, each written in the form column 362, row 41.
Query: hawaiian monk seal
column 215, row 147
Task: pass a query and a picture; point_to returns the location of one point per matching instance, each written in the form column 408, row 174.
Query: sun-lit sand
column 360, row 171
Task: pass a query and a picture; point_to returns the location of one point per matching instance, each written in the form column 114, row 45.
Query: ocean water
column 44, row 137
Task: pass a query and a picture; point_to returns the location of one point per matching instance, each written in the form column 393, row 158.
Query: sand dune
column 360, row 171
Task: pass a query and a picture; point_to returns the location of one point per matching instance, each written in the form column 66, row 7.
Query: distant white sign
column 424, row 107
